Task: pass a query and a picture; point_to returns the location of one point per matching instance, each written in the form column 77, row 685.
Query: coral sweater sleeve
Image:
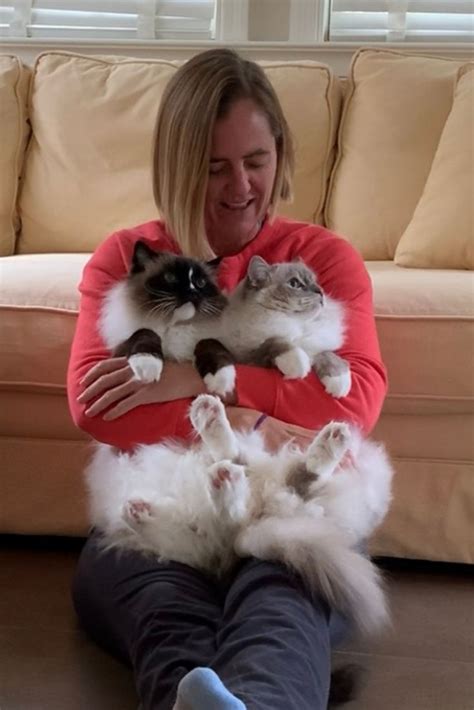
column 341, row 274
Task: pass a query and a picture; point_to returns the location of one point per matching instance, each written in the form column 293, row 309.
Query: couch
column 384, row 158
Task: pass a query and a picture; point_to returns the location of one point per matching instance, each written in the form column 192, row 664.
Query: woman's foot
column 202, row 689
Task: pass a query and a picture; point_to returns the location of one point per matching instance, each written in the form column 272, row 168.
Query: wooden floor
column 426, row 662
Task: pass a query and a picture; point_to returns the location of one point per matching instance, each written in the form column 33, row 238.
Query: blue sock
column 202, row 689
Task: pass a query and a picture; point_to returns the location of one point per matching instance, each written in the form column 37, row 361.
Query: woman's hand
column 275, row 432
column 111, row 385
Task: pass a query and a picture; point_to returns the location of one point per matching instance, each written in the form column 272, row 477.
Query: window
column 401, row 21
column 108, row 19
column 286, row 21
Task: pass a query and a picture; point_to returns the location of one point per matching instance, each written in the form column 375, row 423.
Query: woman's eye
column 295, row 283
column 170, row 278
column 216, row 169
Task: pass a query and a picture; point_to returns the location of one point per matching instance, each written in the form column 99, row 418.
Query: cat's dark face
column 167, row 285
column 289, row 287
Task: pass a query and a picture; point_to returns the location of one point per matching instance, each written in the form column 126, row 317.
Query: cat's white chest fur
column 120, row 318
column 247, row 325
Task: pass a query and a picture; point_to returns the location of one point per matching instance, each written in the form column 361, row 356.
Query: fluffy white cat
column 229, row 496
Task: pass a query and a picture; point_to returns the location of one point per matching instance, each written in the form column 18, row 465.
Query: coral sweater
column 341, row 274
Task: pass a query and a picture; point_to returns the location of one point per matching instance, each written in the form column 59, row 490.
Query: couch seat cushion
column 38, row 305
column 425, row 322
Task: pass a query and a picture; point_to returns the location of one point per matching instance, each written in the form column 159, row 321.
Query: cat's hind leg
column 230, row 489
column 208, row 417
column 328, row 449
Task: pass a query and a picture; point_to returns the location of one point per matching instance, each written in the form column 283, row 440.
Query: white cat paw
column 205, row 411
column 146, row 368
column 229, row 488
column 328, row 448
column 136, row 511
column 222, row 382
column 294, row 363
column 338, row 385
column 336, row 436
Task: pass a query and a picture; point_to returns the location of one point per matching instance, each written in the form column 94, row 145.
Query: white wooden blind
column 108, row 19
column 402, row 20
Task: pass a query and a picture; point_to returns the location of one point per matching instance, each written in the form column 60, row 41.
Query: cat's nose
column 319, row 293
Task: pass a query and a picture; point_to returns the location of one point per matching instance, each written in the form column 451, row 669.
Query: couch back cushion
column 13, row 134
column 88, row 165
column 441, row 233
column 394, row 114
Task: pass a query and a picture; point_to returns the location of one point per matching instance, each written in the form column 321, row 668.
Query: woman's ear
column 258, row 272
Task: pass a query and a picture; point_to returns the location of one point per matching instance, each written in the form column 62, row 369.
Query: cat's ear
column 213, row 264
column 142, row 255
column 258, row 272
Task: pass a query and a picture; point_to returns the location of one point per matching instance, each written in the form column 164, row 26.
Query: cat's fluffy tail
column 321, row 554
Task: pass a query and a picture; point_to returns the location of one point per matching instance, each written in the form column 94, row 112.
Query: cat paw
column 205, row 411
column 337, row 385
column 336, row 436
column 146, row 368
column 136, row 511
column 294, row 364
column 229, row 488
column 222, row 382
column 328, row 448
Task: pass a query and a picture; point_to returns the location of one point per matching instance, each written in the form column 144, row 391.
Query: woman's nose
column 239, row 182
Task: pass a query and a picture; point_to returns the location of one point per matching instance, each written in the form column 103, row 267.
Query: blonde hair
column 202, row 91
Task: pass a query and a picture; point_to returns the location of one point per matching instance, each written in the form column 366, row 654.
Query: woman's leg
column 159, row 618
column 274, row 642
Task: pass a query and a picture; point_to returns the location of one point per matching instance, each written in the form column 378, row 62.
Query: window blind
column 401, row 20
column 108, row 19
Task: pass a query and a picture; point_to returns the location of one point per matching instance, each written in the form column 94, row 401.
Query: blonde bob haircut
column 202, row 91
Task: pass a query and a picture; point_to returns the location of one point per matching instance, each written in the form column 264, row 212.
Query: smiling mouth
column 237, row 206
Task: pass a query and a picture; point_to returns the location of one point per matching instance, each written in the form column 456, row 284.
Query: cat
column 164, row 306
column 169, row 307
column 228, row 497
column 278, row 316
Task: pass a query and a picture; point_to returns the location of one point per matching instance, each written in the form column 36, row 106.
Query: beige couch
column 389, row 166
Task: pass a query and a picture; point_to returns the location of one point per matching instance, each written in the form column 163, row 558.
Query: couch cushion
column 88, row 167
column 38, row 306
column 441, row 232
column 314, row 129
column 425, row 322
column 395, row 111
column 13, row 135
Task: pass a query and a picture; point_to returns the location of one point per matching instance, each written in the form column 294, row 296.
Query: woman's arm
column 91, row 366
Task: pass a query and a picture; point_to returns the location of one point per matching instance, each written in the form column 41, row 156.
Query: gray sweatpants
column 262, row 634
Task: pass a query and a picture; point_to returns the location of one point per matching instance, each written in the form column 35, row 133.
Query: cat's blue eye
column 169, row 277
column 295, row 283
column 200, row 282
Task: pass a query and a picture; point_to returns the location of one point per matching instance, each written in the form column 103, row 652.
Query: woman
column 223, row 158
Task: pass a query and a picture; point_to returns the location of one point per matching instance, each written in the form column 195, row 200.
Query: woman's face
column 241, row 176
